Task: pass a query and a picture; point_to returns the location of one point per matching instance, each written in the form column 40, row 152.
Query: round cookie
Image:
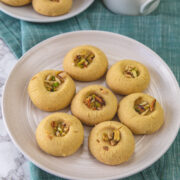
column 141, row 113
column 16, row 2
column 128, row 76
column 85, row 63
column 51, row 90
column 94, row 104
column 52, row 7
column 111, row 143
column 60, row 134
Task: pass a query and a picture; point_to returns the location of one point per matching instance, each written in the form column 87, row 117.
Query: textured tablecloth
column 160, row 31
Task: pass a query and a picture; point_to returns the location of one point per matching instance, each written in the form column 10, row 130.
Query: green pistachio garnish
column 52, row 82
column 131, row 72
column 144, row 107
column 94, row 102
column 83, row 59
column 53, row 78
column 56, row 84
column 59, row 128
column 112, row 137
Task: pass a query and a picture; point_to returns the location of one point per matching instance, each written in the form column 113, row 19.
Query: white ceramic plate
column 27, row 13
column 21, row 117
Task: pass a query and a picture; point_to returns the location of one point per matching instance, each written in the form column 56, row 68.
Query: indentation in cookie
column 53, row 82
column 94, row 102
column 131, row 71
column 144, row 107
column 83, row 58
column 60, row 128
column 111, row 136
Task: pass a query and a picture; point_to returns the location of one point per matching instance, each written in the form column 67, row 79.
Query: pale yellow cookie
column 51, row 90
column 128, row 76
column 52, row 7
column 94, row 104
column 16, row 2
column 60, row 134
column 141, row 113
column 111, row 143
column 85, row 63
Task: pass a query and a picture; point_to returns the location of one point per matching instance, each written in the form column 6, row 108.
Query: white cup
column 132, row 7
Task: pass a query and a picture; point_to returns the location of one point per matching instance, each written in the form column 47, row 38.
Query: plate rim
column 49, row 40
column 59, row 18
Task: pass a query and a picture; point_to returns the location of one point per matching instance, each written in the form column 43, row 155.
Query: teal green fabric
column 160, row 31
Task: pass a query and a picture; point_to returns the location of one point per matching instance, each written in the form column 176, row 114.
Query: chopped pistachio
column 53, row 78
column 145, row 112
column 113, row 142
column 56, row 84
column 143, row 103
column 112, row 137
column 57, row 133
column 48, row 77
column 59, row 128
column 131, row 72
column 143, row 107
column 128, row 75
column 97, row 104
column 52, row 82
column 134, row 72
column 94, row 102
column 116, row 135
column 82, row 60
column 66, row 129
